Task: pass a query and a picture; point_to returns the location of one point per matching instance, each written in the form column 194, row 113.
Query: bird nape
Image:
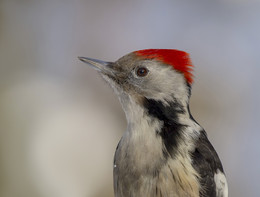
column 164, row 152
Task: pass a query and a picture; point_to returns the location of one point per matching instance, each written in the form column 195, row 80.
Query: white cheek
column 165, row 84
column 221, row 184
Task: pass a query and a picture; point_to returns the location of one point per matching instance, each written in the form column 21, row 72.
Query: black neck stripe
column 171, row 130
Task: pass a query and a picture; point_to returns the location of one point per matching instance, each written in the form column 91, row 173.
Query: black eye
column 141, row 72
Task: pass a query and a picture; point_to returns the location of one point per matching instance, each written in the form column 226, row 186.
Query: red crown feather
column 179, row 60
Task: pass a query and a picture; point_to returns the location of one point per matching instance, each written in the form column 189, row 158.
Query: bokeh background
column 60, row 122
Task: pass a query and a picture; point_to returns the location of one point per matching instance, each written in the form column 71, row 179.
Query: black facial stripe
column 171, row 130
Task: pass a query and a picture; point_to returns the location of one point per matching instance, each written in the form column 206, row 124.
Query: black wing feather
column 206, row 162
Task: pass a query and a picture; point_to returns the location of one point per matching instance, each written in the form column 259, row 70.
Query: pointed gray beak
column 99, row 65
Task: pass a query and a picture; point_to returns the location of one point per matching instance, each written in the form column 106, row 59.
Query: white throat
column 141, row 139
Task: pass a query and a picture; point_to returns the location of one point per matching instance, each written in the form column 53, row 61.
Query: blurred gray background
column 60, row 122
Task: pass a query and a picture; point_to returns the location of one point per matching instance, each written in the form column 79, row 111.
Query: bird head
column 162, row 75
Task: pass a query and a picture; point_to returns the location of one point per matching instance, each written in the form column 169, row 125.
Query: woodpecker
column 164, row 152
